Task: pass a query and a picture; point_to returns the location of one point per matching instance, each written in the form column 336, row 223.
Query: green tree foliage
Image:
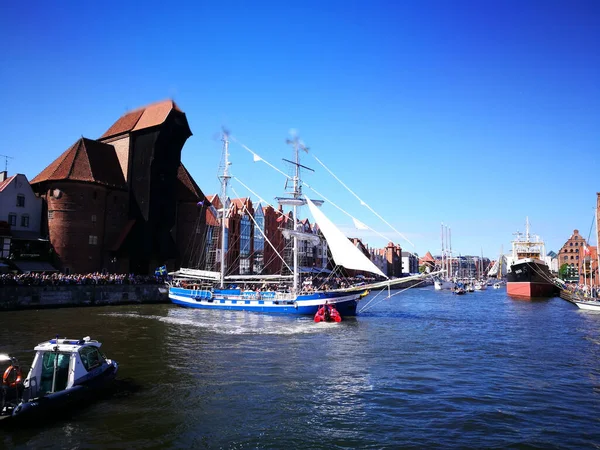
column 562, row 272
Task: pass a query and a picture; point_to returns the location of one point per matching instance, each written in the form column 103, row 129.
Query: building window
column 93, row 218
column 50, row 215
column 25, row 221
column 577, row 258
column 93, row 240
column 21, row 201
column 571, row 256
column 576, row 244
column 12, row 220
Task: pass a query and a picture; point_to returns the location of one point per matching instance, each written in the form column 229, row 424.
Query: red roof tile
column 428, row 257
column 124, row 124
column 145, row 117
column 240, row 202
column 215, row 200
column 86, row 160
column 187, row 189
column 211, row 219
column 6, row 182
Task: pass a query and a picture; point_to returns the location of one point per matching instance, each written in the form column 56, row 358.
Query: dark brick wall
column 76, row 211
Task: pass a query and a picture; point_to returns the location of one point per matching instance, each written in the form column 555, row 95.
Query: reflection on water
column 425, row 369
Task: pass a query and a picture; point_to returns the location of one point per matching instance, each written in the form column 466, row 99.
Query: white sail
column 343, row 251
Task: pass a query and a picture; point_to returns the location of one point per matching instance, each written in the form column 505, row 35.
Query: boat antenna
column 224, row 180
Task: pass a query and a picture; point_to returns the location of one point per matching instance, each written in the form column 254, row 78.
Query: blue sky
column 472, row 113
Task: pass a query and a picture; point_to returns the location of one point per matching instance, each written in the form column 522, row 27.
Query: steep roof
column 86, row 160
column 428, row 257
column 144, row 117
column 240, row 202
column 6, row 182
column 187, row 189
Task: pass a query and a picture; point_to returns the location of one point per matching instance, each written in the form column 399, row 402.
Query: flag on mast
column 358, row 224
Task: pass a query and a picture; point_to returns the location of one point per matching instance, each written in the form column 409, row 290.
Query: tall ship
column 528, row 275
column 293, row 291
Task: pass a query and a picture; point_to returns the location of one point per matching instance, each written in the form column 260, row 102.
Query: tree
column 563, row 271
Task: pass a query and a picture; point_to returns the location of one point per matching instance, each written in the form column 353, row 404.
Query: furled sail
column 343, row 251
column 289, row 234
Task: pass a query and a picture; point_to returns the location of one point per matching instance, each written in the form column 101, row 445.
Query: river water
column 423, row 369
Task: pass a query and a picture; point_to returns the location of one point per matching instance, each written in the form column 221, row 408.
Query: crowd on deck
column 61, row 279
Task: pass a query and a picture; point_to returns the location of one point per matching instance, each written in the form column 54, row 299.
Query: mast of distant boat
column 443, row 249
column 224, row 180
column 597, row 243
column 450, row 253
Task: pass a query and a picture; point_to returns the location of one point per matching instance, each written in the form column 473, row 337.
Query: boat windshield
column 62, row 371
column 91, row 357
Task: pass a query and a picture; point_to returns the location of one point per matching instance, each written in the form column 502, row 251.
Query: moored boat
column 590, row 305
column 63, row 372
column 529, row 276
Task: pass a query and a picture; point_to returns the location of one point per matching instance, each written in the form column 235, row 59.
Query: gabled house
column 20, row 234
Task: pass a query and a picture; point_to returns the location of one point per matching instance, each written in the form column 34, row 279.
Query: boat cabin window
column 62, row 361
column 91, row 357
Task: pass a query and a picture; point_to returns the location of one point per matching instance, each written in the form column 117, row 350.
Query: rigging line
column 372, row 300
column 390, row 296
column 342, row 210
column 348, row 214
column 257, row 157
column 259, row 197
column 264, row 235
column 591, row 226
column 362, row 202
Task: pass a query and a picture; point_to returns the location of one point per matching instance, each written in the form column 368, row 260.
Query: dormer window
column 21, row 201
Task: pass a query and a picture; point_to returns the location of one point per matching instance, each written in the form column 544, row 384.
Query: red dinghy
column 327, row 313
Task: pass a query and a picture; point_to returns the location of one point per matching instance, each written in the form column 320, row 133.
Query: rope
column 363, row 203
column 367, row 307
column 258, row 227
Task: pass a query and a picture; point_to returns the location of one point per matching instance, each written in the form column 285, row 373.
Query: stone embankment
column 33, row 297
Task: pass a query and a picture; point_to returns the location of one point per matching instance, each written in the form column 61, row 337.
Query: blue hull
column 267, row 302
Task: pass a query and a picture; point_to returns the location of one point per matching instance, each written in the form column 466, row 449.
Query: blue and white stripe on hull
column 308, row 304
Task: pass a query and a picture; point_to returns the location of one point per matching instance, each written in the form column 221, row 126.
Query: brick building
column 570, row 254
column 124, row 202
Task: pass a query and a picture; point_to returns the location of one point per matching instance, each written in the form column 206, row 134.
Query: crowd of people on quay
column 584, row 291
column 62, row 279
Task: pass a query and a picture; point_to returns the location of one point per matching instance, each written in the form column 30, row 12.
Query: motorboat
column 481, row 285
column 327, row 313
column 63, row 372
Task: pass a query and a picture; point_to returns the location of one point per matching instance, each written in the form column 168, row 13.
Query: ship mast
column 297, row 194
column 224, row 180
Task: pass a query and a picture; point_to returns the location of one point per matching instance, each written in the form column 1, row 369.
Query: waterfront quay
column 34, row 290
column 425, row 369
